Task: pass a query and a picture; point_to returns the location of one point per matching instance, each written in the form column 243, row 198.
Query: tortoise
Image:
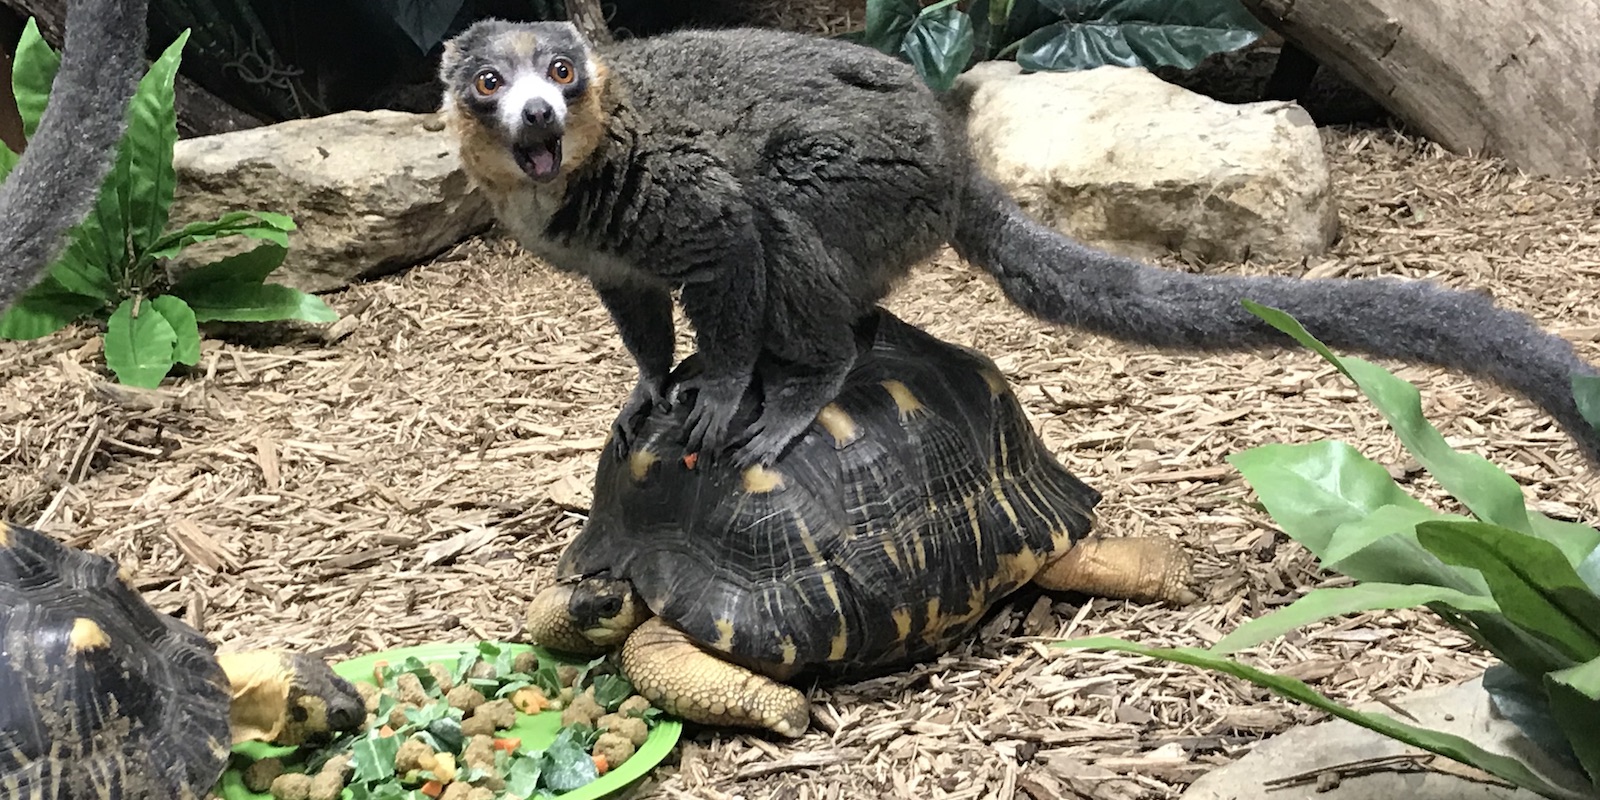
column 101, row 696
column 918, row 499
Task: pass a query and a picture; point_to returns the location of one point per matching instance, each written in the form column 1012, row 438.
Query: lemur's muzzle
column 538, row 147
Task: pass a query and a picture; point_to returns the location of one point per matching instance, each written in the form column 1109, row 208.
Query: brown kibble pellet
column 583, row 709
column 615, row 748
column 326, row 786
column 457, row 791
column 633, row 728
column 369, row 694
column 482, row 669
column 414, row 754
column 397, row 716
column 408, row 689
column 479, row 752
column 441, row 676
column 567, row 674
column 477, row 725
column 339, row 765
column 291, row 786
column 499, row 711
column 525, row 662
column 465, row 698
column 258, row 777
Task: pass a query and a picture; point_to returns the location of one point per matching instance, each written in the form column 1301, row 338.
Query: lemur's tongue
column 540, row 161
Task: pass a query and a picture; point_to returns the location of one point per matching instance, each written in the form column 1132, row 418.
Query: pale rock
column 1119, row 158
column 371, row 193
column 1463, row 710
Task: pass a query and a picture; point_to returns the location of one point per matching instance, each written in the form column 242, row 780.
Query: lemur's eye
column 487, row 82
column 561, row 71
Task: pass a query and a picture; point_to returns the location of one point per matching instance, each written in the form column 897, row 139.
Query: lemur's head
column 523, row 98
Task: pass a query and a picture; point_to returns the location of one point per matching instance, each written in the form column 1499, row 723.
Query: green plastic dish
column 537, row 730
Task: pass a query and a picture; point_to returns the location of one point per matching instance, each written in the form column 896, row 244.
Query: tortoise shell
column 100, row 695
column 919, row 498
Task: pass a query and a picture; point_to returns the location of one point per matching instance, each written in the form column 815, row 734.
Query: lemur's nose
column 538, row 112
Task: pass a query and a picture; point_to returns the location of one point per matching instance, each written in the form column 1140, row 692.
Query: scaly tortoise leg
column 1142, row 569
column 683, row 679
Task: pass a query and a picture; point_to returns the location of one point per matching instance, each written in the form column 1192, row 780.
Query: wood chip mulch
column 412, row 475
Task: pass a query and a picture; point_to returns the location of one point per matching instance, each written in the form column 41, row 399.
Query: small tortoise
column 103, row 697
column 919, row 499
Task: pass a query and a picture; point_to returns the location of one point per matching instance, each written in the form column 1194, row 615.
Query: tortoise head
column 586, row 616
column 288, row 698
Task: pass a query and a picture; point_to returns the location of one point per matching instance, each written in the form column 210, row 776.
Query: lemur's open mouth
column 540, row 160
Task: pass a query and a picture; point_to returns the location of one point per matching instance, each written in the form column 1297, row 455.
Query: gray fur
column 784, row 183
column 58, row 179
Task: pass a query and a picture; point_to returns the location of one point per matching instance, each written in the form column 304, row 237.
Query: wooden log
column 1519, row 80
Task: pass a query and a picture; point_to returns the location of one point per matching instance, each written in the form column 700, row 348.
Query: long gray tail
column 1065, row 282
column 56, row 182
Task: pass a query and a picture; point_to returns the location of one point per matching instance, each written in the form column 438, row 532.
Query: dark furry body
column 58, row 178
column 784, row 183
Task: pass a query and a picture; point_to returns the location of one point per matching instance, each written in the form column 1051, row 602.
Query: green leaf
column 181, row 318
column 1575, row 702
column 1085, row 45
column 1447, row 745
column 1586, row 391
column 887, row 23
column 44, row 309
column 522, row 778
column 1320, row 604
column 32, row 73
column 611, row 691
column 1312, row 489
column 256, row 302
column 373, row 757
column 253, row 224
column 139, row 346
column 8, row 160
column 149, row 178
column 939, row 44
column 448, row 731
column 567, row 764
column 1383, row 547
column 1589, row 571
column 251, row 266
column 1491, row 494
column 1530, row 579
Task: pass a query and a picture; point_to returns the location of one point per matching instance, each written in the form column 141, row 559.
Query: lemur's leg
column 643, row 316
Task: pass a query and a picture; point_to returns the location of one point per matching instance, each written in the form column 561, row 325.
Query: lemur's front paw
column 769, row 437
column 716, row 402
column 646, row 397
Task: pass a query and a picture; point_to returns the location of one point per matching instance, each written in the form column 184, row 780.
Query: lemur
column 57, row 180
column 783, row 183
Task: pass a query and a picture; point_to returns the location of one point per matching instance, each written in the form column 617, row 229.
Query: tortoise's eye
column 561, row 71
column 487, row 82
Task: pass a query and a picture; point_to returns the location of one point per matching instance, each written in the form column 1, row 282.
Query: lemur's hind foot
column 791, row 401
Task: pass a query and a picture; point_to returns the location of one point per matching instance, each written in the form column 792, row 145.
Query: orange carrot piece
column 386, row 731
column 432, row 788
column 507, row 743
column 600, row 765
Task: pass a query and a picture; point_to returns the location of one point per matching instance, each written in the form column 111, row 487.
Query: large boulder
column 1354, row 763
column 1120, row 158
column 372, row 192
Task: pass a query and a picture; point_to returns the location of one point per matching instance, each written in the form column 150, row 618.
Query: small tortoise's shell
column 100, row 695
column 919, row 498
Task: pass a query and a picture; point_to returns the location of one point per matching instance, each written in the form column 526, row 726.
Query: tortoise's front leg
column 684, row 680
column 1138, row 568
